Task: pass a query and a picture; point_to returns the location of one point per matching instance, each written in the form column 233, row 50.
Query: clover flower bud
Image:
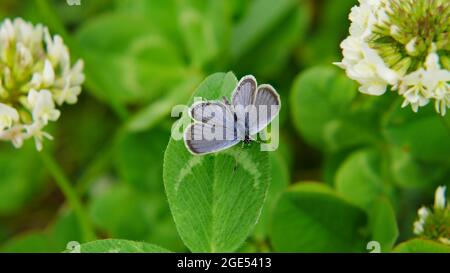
column 439, row 198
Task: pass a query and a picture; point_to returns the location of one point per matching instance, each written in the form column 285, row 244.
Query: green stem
column 70, row 194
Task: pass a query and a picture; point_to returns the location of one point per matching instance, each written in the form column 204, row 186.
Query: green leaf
column 253, row 27
column 408, row 173
column 215, row 199
column 157, row 13
column 65, row 229
column 325, row 110
column 141, row 62
column 359, row 179
column 216, row 86
column 383, row 224
column 332, row 163
column 279, row 182
column 119, row 211
column 421, row 246
column 118, row 246
column 424, row 134
column 331, row 26
column 17, row 186
column 205, row 29
column 310, row 217
column 275, row 34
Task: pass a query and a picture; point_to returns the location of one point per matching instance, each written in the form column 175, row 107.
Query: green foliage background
column 350, row 168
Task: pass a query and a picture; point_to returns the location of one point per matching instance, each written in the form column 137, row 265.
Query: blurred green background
column 144, row 56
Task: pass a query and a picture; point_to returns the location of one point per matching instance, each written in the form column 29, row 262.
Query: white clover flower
column 43, row 106
column 403, row 45
column 423, row 213
column 434, row 223
column 8, row 115
column 35, row 76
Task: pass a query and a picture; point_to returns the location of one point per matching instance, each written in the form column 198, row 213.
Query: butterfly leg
column 226, row 101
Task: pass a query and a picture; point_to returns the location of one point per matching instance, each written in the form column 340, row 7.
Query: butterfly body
column 247, row 140
column 219, row 125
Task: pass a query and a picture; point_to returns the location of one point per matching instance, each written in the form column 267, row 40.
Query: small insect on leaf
column 219, row 125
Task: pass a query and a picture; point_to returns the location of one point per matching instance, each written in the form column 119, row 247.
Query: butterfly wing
column 199, row 141
column 267, row 106
column 244, row 93
column 242, row 98
column 214, row 129
column 211, row 111
column 216, row 113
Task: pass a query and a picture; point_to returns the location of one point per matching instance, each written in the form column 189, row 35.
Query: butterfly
column 219, row 125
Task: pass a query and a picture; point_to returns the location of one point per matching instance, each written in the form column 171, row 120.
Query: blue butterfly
column 219, row 125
